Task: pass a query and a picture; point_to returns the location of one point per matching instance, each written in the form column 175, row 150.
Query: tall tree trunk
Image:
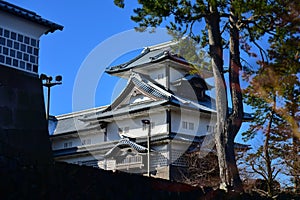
column 234, row 121
column 267, row 157
column 295, row 164
column 216, row 53
column 295, row 140
column 227, row 126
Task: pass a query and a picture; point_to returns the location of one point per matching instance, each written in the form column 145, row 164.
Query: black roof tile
column 29, row 15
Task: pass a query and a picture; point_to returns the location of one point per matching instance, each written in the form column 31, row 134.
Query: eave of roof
column 190, row 77
column 164, row 98
column 87, row 112
column 113, row 146
column 75, row 132
column 29, row 15
column 68, row 124
column 129, row 65
column 125, row 142
column 90, row 149
column 127, row 110
column 154, row 55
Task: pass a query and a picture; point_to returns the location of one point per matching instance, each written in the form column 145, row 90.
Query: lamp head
column 43, row 77
column 58, row 78
column 145, row 121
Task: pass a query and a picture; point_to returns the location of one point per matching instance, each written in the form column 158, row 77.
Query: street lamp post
column 47, row 82
column 147, row 122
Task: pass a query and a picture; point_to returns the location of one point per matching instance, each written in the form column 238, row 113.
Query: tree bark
column 295, row 163
column 234, row 121
column 227, row 126
column 267, row 157
column 295, row 140
column 216, row 53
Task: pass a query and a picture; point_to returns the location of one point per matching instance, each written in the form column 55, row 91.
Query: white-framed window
column 188, row 125
column 210, row 128
column 184, row 125
column 68, row 144
column 191, row 126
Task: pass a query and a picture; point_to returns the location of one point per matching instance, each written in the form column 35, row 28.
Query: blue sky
column 86, row 26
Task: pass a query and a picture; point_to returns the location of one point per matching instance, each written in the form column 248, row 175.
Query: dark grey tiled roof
column 76, row 122
column 149, row 89
column 29, row 15
column 71, row 123
column 149, row 55
column 155, row 54
column 125, row 110
column 190, row 77
column 125, row 142
column 146, row 57
column 153, row 90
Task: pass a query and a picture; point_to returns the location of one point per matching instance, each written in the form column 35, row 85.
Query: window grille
column 159, row 159
column 184, row 125
column 191, row 126
column 131, row 160
column 178, row 158
column 92, row 163
column 19, row 51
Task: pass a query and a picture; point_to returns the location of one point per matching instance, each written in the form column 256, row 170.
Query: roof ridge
column 29, row 15
column 162, row 45
column 81, row 112
column 123, row 65
column 17, row 7
column 144, row 80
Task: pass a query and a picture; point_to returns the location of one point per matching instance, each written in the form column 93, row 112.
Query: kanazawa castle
column 161, row 115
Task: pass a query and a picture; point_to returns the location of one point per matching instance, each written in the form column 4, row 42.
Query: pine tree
column 226, row 22
column 274, row 93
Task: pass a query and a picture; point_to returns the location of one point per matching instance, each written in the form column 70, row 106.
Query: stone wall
column 68, row 181
column 23, row 126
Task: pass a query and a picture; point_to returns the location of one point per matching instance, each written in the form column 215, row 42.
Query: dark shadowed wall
column 23, row 126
